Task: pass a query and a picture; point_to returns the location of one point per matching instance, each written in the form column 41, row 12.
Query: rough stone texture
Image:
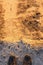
column 23, row 20
column 20, row 49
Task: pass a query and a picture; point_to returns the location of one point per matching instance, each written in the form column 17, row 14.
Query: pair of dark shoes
column 26, row 61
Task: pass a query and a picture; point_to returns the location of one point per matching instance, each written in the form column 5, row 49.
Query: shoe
column 12, row 60
column 27, row 60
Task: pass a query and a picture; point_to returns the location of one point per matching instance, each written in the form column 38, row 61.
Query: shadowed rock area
column 19, row 50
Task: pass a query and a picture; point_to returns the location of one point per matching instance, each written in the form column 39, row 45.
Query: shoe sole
column 12, row 60
column 27, row 60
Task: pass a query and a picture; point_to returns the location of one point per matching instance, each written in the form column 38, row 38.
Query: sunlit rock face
column 2, row 33
column 23, row 20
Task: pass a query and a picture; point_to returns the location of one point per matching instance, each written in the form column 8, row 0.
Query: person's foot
column 12, row 60
column 27, row 60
